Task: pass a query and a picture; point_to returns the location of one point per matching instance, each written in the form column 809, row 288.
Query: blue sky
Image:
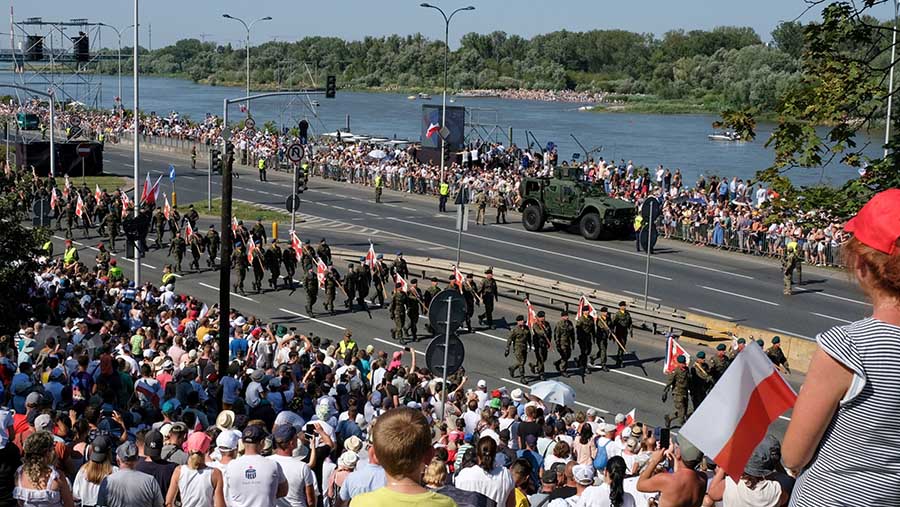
column 353, row 19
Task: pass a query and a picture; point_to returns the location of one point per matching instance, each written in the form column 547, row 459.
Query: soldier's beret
column 414, row 281
column 258, row 219
column 470, row 275
column 720, row 346
column 564, row 313
column 622, row 303
column 322, row 240
column 682, row 360
column 541, row 313
column 776, row 339
column 350, row 266
column 488, row 271
column 741, row 341
column 701, row 355
column 434, row 279
column 379, row 256
column 604, row 309
column 520, row 318
column 211, row 226
column 761, row 343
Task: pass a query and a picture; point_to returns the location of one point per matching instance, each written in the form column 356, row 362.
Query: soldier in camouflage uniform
column 481, row 207
column 273, row 263
column 70, row 218
column 196, row 244
column 586, row 330
column 603, row 336
column 311, row 284
column 330, row 290
column 177, row 247
column 541, row 339
column 398, row 313
column 289, row 259
column 701, row 380
column 518, row 341
column 565, row 341
column 259, row 271
column 324, row 252
column 399, row 266
column 213, row 243
column 679, row 384
column 413, row 300
column 102, row 257
column 159, row 223
column 776, row 355
column 622, row 328
column 489, row 294
column 469, row 295
column 719, row 364
column 350, row 286
column 258, row 232
column 111, row 224
column 789, row 263
column 239, row 263
column 61, row 206
column 174, row 223
column 380, row 277
column 428, row 297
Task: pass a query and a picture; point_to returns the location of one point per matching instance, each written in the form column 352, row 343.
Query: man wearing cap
column 399, row 266
column 584, row 478
column 701, row 380
column 239, row 264
column 259, row 271
column 301, row 482
column 469, row 291
column 196, row 243
column 565, row 340
column 489, row 294
column 212, row 242
column 102, row 257
column 311, row 285
column 603, row 336
column 776, row 355
column 413, row 304
column 177, row 247
column 172, row 449
column 541, row 338
column 732, row 354
column 720, row 363
column 679, row 384
column 155, row 465
column 253, row 480
column 518, row 341
column 324, row 252
column 258, row 232
column 272, row 257
column 127, row 487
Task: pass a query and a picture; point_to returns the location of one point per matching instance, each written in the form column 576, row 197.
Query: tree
column 19, row 246
column 788, row 37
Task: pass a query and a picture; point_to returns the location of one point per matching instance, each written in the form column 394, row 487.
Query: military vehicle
column 569, row 201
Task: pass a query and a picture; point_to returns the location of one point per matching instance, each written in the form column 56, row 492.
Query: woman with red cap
column 196, row 484
column 844, row 435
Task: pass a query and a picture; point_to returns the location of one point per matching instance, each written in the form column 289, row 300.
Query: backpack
column 602, row 457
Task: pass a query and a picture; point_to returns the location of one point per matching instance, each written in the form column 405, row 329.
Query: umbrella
column 377, row 154
column 552, row 391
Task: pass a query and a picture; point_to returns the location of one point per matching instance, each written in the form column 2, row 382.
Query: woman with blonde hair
column 99, row 465
column 38, row 484
column 195, row 483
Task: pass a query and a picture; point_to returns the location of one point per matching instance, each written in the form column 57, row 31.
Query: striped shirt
column 858, row 459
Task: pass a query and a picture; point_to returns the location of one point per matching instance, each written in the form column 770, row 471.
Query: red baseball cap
column 877, row 225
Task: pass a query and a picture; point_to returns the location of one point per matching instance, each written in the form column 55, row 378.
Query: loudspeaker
column 34, row 50
column 82, row 47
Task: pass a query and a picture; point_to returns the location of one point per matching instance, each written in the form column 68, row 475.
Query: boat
column 725, row 136
column 424, row 96
column 315, row 103
column 411, row 97
column 585, row 108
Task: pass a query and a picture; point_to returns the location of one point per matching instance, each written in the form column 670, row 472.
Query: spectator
column 435, row 479
column 196, row 484
column 38, row 481
column 127, row 487
column 301, row 483
column 345, row 466
column 155, row 465
column 487, row 477
column 252, row 479
column 549, row 480
column 91, row 474
column 10, row 459
column 584, row 449
column 611, row 493
column 521, row 473
column 584, row 477
column 366, row 478
column 684, row 486
column 757, row 487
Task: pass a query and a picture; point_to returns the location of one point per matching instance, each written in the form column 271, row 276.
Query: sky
column 171, row 20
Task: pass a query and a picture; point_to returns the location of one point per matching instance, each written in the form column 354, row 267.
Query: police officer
column 776, row 355
column 565, row 341
column 261, row 165
column 311, row 284
column 638, row 225
column 324, row 252
column 213, row 243
column 379, row 187
column 789, row 263
column 177, row 247
column 501, row 206
column 196, row 244
column 398, row 312
column 622, row 328
column 701, row 380
column 331, row 283
column 679, row 384
column 258, row 232
column 489, row 294
column 541, row 339
column 444, row 191
column 167, row 277
column 413, row 301
column 518, row 341
column 602, row 336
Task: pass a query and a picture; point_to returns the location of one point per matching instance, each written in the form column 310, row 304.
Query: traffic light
column 215, row 157
column 301, row 180
column 229, row 155
column 330, row 87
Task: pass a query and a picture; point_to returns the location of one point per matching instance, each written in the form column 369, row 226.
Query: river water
column 676, row 141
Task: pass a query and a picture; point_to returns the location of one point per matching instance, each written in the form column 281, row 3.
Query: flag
column 434, row 123
column 251, row 249
column 98, row 194
column 234, row 224
column 153, row 193
column 458, row 278
column 79, row 207
column 125, row 204
column 735, row 415
column 188, row 231
column 403, row 285
column 321, row 269
column 585, row 306
column 243, row 108
column 370, row 257
column 629, row 417
column 531, row 316
column 167, row 210
column 146, row 188
column 296, row 246
column 54, row 199
column 66, row 187
column 203, row 311
column 673, row 350
column 172, row 173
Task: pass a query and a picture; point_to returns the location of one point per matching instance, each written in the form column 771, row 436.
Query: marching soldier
column 192, row 216
column 400, row 266
column 111, row 224
column 311, row 284
column 102, row 257
column 379, row 279
column 732, row 354
column 331, row 283
column 324, row 252
column 427, row 297
column 481, row 207
column 60, row 210
column 489, row 294
column 720, row 363
column 541, row 339
column 586, row 330
column 193, row 157
column 101, row 210
column 518, row 341
column 412, row 308
column 622, row 328
column 258, row 232
column 289, row 259
column 258, row 270
column 70, row 218
column 362, row 288
column 350, row 286
column 776, row 355
column 307, row 257
column 177, row 247
column 159, row 223
column 213, row 242
column 174, row 221
column 679, row 384
column 241, row 233
column 273, row 263
column 469, row 293
column 196, row 244
column 701, row 380
column 565, row 341
column 603, row 335
column 501, row 206
column 789, row 263
column 398, row 313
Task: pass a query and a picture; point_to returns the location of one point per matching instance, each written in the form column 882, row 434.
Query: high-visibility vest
column 100, row 137
column 445, row 189
column 792, row 246
column 48, row 246
column 168, row 278
column 116, row 273
column 638, row 221
column 262, row 164
column 346, row 346
column 378, row 181
column 69, row 256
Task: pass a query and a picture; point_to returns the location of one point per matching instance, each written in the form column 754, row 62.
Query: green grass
column 107, row 183
column 656, row 105
column 243, row 211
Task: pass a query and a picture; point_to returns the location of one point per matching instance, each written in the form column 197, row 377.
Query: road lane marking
column 580, row 404
column 832, row 318
column 707, row 312
column 409, row 209
column 397, row 345
column 822, row 293
column 370, row 214
column 148, row 266
column 637, row 294
column 491, row 336
column 791, row 333
column 632, row 375
column 320, row 321
column 208, row 286
column 738, row 295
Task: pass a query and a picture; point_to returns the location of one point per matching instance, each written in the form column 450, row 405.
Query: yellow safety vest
column 48, row 246
column 116, row 273
column 100, row 137
column 70, row 254
column 262, row 164
column 638, row 221
column 168, row 278
column 378, row 181
column 346, row 346
column 792, row 246
column 445, row 189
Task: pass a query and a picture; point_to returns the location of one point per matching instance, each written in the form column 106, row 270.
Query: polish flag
column 153, row 192
column 125, row 204
column 403, row 285
column 188, row 231
column 98, row 194
column 146, row 190
column 629, row 417
column 585, row 306
column 296, row 246
column 735, row 416
column 54, row 199
column 433, row 129
column 673, row 350
column 234, row 224
column 79, row 207
column 458, row 279
column 370, row 257
column 531, row 318
column 167, row 210
column 321, row 269
column 251, row 249
column 66, row 187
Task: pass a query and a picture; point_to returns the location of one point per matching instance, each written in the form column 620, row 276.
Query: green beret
column 701, row 355
column 741, row 341
column 721, row 346
column 776, row 339
column 682, row 360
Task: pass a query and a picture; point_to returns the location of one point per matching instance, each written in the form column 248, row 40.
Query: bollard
column 274, row 230
column 174, row 199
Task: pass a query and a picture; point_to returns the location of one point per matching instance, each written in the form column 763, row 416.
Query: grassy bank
column 243, row 211
column 107, row 183
column 648, row 104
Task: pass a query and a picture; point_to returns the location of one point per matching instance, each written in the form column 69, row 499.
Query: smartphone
column 310, row 430
column 664, row 437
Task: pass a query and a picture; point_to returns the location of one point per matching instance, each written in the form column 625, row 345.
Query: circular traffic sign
column 292, row 204
column 651, row 206
column 250, row 123
column 295, row 153
column 434, row 355
column 75, row 121
column 437, row 311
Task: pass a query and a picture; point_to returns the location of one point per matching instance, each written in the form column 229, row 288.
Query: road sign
column 250, row 123
column 462, row 218
column 292, row 204
column 434, row 355
column 653, row 236
column 295, row 153
column 84, row 150
column 42, row 213
column 437, row 310
column 75, row 121
column 444, row 133
column 651, row 204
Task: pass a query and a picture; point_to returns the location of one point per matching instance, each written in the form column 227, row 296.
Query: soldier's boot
column 512, row 371
column 668, row 420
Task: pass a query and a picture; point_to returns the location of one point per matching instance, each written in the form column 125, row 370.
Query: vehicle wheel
column 590, row 226
column 533, row 218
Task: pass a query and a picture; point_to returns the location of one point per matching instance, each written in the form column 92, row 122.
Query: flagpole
column 137, row 142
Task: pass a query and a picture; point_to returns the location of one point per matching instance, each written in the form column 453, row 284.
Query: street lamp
column 446, row 63
column 248, row 28
column 887, row 123
column 119, row 56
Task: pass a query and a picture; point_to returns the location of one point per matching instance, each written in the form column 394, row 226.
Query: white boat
column 585, row 108
column 315, row 103
column 725, row 136
column 411, row 97
column 424, row 96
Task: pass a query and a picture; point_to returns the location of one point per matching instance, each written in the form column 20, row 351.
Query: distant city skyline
column 172, row 20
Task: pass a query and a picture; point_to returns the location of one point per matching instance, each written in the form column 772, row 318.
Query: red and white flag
column 370, row 257
column 251, row 251
column 735, row 416
column 458, row 278
column 146, row 189
column 234, row 224
column 79, row 207
column 126, row 202
column 188, row 231
column 167, row 210
column 404, row 286
column 153, row 193
column 296, row 246
column 98, row 194
column 585, row 306
column 321, row 269
column 531, row 318
column 673, row 350
column 629, row 417
column 54, row 199
column 66, row 187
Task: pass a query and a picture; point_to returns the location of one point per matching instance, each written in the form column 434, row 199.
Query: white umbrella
column 552, row 391
column 377, row 154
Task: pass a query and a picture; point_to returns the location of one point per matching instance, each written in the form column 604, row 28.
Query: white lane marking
column 830, row 317
column 820, row 293
column 409, row 209
column 714, row 314
column 370, row 214
column 320, row 321
column 791, row 333
column 491, row 336
column 638, row 294
column 580, row 404
column 738, row 295
column 353, row 210
column 338, row 207
column 559, row 254
column 435, row 248
column 391, row 205
column 208, row 286
column 148, row 266
column 632, row 375
column 396, row 345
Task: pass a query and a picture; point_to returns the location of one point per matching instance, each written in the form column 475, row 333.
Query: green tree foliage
column 788, row 37
column 18, row 247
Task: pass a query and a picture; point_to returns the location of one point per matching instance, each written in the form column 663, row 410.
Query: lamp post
column 247, row 28
column 887, row 123
column 119, row 55
column 137, row 149
column 446, row 65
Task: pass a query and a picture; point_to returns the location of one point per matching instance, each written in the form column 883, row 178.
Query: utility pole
column 149, row 37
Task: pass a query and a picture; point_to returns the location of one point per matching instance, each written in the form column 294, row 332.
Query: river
column 676, row 141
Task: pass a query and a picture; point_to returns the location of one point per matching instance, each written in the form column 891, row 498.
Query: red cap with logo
column 877, row 225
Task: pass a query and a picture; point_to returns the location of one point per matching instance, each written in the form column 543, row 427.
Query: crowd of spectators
column 580, row 97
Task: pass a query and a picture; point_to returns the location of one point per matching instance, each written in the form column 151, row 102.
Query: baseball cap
column 198, row 442
column 43, row 423
column 765, row 456
column 178, row 427
column 482, row 383
column 34, row 399
column 689, row 452
column 608, row 428
column 253, row 434
column 153, row 444
column 284, row 433
column 877, row 225
column 100, row 448
column 228, row 440
column 127, row 452
column 584, row 474
column 549, row 477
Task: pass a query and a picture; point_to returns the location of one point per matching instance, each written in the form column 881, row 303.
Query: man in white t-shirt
column 301, row 482
column 481, row 393
column 253, row 480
